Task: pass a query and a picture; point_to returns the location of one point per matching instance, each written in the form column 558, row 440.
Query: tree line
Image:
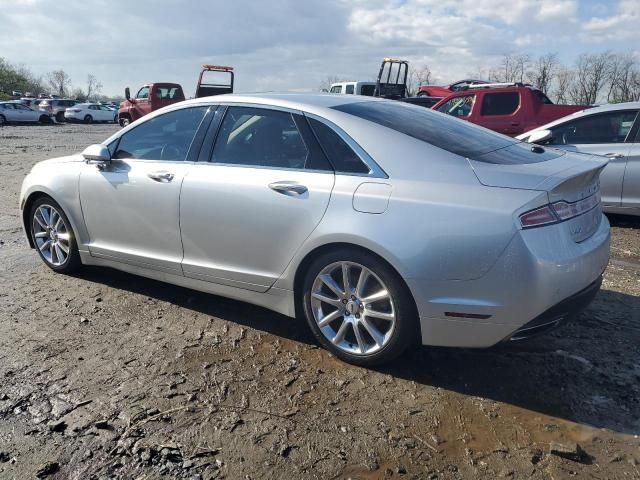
column 591, row 78
column 57, row 82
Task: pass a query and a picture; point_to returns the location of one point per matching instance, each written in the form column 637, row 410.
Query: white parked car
column 612, row 131
column 90, row 112
column 16, row 111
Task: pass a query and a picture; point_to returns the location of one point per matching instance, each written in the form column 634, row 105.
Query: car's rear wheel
column 44, row 119
column 60, row 117
column 3, row 121
column 53, row 236
column 88, row 119
column 358, row 307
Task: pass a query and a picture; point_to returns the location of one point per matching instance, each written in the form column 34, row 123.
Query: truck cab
column 509, row 108
column 148, row 98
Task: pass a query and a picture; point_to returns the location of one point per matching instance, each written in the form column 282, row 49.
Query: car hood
column 52, row 162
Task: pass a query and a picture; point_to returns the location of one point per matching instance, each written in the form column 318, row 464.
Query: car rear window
column 443, row 131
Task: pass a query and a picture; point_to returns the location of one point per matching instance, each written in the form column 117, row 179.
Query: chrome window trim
column 375, row 171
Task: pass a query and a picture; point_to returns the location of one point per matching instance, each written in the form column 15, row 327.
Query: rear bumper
column 541, row 276
column 559, row 313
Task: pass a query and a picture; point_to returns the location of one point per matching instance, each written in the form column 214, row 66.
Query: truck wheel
column 88, row 119
column 124, row 121
column 60, row 117
column 3, row 121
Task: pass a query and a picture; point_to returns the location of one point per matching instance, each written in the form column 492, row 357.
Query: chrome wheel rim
column 51, row 235
column 353, row 308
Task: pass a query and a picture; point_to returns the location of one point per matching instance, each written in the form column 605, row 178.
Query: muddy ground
column 107, row 375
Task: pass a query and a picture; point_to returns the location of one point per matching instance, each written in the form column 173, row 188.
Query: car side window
column 260, row 137
column 143, row 93
column 349, row 90
column 165, row 137
column 343, row 158
column 611, row 127
column 504, row 103
column 458, row 106
column 336, row 89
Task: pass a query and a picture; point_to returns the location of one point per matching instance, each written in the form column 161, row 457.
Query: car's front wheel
column 60, row 117
column 45, row 119
column 88, row 119
column 358, row 307
column 53, row 236
column 3, row 121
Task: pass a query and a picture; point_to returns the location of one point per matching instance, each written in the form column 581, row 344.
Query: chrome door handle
column 288, row 188
column 613, row 155
column 162, row 176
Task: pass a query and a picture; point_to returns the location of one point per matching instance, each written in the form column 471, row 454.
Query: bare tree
column 417, row 77
column 325, row 84
column 564, row 80
column 543, row 70
column 513, row 68
column 592, row 74
column 624, row 76
column 94, row 87
column 59, row 82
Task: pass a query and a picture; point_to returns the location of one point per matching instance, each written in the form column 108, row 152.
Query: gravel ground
column 107, row 375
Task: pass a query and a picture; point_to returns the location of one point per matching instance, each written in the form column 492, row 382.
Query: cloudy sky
column 296, row 44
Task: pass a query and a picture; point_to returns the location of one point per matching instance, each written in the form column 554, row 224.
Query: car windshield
column 440, row 130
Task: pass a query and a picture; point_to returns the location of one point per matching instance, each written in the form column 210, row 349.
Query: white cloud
column 623, row 25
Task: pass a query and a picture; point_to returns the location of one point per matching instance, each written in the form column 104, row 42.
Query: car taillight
column 74, row 110
column 538, row 217
column 558, row 212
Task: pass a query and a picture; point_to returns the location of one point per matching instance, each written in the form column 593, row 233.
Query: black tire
column 3, row 121
column 406, row 332
column 115, row 118
column 88, row 119
column 45, row 119
column 124, row 121
column 60, row 117
column 72, row 261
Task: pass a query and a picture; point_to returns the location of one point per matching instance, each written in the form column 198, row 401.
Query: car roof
column 609, row 107
column 295, row 101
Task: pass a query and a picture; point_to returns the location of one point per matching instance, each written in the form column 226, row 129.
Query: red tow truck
column 509, row 108
column 213, row 80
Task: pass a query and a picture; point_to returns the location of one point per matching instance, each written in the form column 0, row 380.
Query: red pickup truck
column 511, row 109
column 213, row 80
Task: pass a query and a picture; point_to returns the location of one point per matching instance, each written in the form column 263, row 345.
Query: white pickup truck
column 354, row 88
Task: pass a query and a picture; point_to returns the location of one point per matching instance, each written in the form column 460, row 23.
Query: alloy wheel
column 353, row 308
column 51, row 235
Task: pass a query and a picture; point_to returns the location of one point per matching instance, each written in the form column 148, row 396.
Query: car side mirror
column 540, row 136
column 98, row 154
column 127, row 93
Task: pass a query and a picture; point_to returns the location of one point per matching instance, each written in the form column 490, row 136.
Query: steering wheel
column 170, row 152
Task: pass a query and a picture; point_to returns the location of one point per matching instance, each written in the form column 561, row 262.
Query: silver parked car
column 612, row 131
column 16, row 112
column 384, row 224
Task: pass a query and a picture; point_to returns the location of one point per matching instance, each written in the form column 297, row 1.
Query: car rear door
column 604, row 134
column 9, row 112
column 131, row 206
column 257, row 194
column 502, row 112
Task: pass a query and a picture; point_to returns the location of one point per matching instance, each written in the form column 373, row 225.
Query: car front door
column 247, row 208
column 602, row 134
column 631, row 185
column 142, row 104
column 130, row 206
column 25, row 114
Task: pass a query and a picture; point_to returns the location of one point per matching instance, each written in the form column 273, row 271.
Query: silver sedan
column 383, row 224
column 612, row 131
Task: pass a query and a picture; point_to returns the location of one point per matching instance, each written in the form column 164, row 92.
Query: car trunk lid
column 571, row 182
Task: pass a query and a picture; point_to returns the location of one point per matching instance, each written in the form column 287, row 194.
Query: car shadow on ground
column 624, row 221
column 586, row 371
